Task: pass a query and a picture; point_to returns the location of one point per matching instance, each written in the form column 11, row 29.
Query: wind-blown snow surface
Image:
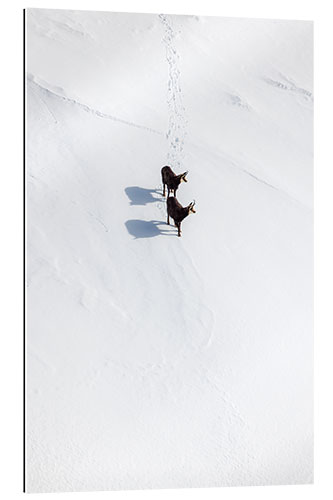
column 155, row 361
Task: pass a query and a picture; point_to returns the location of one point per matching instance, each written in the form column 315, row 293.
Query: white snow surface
column 155, row 361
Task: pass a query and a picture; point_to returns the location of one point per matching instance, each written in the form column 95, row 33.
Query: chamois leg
column 163, row 189
column 179, row 232
column 168, row 219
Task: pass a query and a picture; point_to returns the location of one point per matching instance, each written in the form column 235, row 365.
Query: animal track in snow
column 177, row 117
column 290, row 86
column 235, row 100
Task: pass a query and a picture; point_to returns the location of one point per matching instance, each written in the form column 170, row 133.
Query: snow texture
column 155, row 361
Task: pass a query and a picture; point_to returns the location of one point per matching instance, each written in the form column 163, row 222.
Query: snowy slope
column 155, row 361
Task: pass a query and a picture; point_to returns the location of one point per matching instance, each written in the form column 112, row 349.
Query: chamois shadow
column 141, row 196
column 146, row 229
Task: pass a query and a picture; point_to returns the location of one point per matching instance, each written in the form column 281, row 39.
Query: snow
column 155, row 361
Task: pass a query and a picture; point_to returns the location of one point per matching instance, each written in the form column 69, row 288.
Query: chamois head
column 191, row 208
column 183, row 176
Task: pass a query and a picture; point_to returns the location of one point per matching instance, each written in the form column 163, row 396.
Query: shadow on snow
column 141, row 196
column 146, row 229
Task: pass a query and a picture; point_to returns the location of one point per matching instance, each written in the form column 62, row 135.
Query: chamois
column 177, row 212
column 171, row 180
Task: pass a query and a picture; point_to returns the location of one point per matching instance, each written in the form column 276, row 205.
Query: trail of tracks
column 176, row 133
column 202, row 333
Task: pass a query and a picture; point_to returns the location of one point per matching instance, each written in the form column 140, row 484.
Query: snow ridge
column 88, row 109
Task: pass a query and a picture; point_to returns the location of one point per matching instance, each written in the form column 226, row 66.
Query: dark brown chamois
column 171, row 180
column 177, row 212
